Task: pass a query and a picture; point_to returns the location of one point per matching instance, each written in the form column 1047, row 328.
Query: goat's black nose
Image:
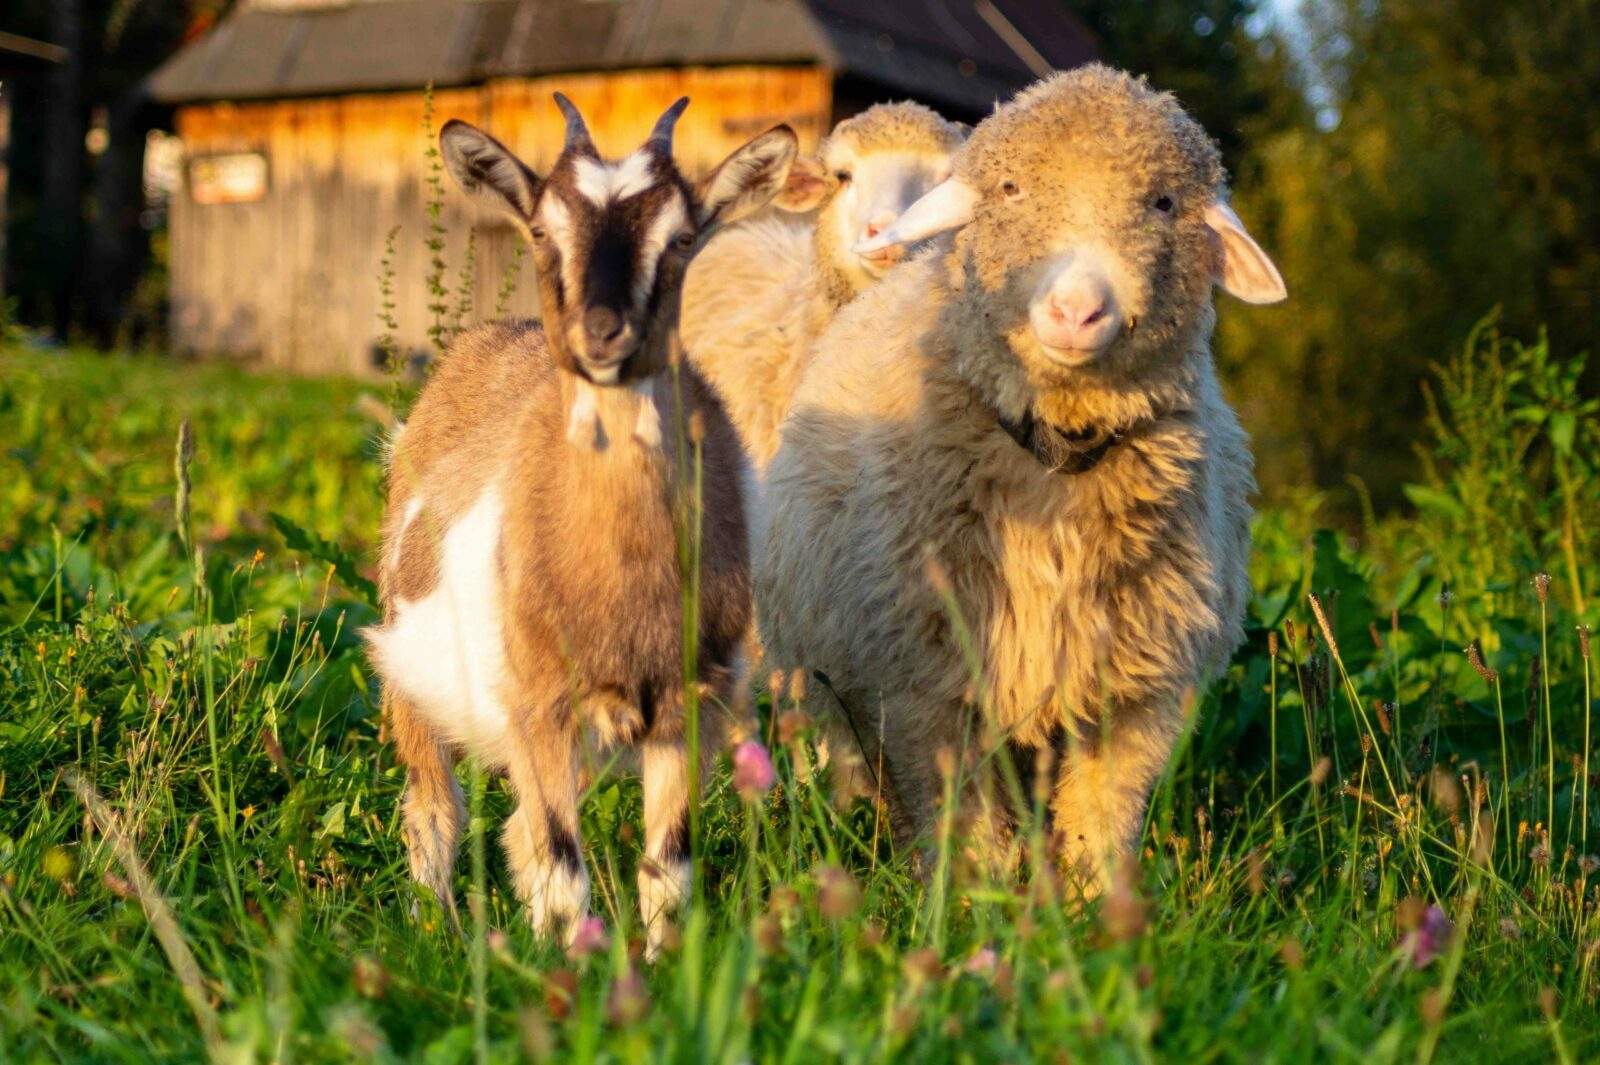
column 602, row 324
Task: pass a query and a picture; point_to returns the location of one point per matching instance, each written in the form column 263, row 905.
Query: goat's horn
column 578, row 138
column 661, row 135
column 947, row 205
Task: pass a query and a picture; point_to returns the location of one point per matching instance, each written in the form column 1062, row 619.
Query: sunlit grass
column 1368, row 847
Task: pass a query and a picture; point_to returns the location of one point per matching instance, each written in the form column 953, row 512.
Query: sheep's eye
column 1163, row 204
column 1010, row 189
column 538, row 232
column 683, row 241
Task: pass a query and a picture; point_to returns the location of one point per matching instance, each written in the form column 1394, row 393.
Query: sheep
column 530, row 575
column 762, row 291
column 1015, row 448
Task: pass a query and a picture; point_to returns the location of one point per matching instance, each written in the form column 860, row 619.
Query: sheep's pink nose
column 1078, row 309
column 1078, row 317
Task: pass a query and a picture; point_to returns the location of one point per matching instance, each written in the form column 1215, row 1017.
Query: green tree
column 1451, row 174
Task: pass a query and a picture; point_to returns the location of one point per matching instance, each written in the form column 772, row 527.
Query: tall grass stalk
column 157, row 911
column 478, row 905
column 1588, row 706
column 1542, row 584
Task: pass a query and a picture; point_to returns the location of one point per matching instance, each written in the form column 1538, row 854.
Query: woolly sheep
column 761, row 292
column 1025, row 430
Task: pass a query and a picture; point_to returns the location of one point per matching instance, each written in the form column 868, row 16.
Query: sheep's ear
column 487, row 171
column 1247, row 272
column 948, row 205
column 805, row 188
column 748, row 179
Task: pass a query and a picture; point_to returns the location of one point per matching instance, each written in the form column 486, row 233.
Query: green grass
column 224, row 712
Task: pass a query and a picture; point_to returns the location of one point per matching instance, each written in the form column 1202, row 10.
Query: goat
column 531, row 576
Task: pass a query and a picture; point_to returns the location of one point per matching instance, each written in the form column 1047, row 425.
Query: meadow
column 1373, row 845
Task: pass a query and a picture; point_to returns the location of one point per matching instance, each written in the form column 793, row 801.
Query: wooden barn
column 301, row 124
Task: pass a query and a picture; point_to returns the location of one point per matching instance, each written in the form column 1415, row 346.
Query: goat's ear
column 805, row 188
column 487, row 171
column 1245, row 270
column 748, row 179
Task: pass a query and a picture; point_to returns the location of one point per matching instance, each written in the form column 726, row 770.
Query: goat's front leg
column 541, row 838
column 433, row 805
column 1103, row 784
column 664, row 869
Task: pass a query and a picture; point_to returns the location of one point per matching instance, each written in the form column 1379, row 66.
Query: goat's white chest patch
column 446, row 651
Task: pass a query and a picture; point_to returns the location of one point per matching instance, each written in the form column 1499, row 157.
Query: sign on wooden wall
column 237, row 177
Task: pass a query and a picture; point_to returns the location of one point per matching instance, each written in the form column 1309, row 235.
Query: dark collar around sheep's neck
column 1060, row 450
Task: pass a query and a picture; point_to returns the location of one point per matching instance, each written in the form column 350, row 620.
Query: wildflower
column 784, row 900
column 115, row 884
column 1272, row 643
column 938, row 577
column 588, row 937
column 248, row 812
column 1431, row 1006
column 922, row 966
column 837, row 894
column 767, row 931
column 1322, row 620
column 1427, row 929
column 1377, row 637
column 1320, row 771
column 1539, row 855
column 1583, row 640
column 1541, row 585
column 1293, row 955
column 1510, row 929
column 560, row 992
column 872, row 934
column 1383, row 709
column 57, row 864
column 628, row 1001
column 1587, row 864
column 753, row 775
column 370, row 977
column 1548, row 1002
column 797, row 686
column 1122, row 911
column 1475, row 659
column 982, row 963
column 775, row 683
column 791, row 723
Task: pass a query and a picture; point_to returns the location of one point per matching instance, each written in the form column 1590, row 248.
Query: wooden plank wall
column 291, row 281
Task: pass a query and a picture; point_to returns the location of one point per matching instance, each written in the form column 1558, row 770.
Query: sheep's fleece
column 1095, row 602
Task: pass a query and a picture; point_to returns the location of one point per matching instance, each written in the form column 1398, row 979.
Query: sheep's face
column 611, row 240
column 1094, row 225
column 868, row 171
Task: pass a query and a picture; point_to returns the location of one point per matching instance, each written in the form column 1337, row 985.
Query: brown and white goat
column 530, row 574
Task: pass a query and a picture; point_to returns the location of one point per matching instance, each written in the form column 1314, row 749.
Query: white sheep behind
column 1027, row 425
column 761, row 292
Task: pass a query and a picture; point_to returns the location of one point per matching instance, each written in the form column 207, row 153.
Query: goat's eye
column 1010, row 189
column 683, row 241
column 538, row 232
column 1163, row 204
column 841, row 176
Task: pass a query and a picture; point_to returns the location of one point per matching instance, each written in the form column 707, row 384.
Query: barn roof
column 965, row 53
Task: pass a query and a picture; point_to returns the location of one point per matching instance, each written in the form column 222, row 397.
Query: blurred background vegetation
column 1413, row 165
